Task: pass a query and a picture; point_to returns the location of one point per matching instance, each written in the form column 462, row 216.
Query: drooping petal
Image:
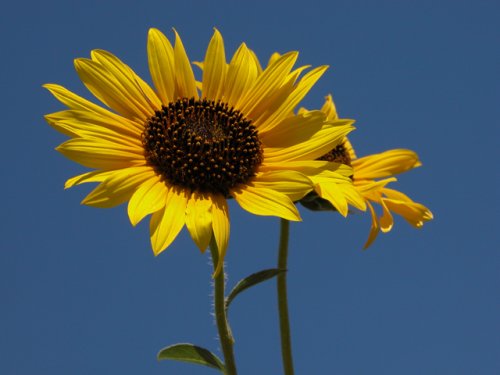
column 265, row 202
column 333, row 194
column 162, row 65
column 166, row 223
column 365, row 187
column 414, row 213
column 199, row 219
column 386, row 220
column 220, row 227
column 375, row 229
column 214, row 68
column 353, row 197
column 337, row 187
column 148, row 198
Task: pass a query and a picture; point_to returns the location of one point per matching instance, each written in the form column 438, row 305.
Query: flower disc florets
column 202, row 145
column 339, row 154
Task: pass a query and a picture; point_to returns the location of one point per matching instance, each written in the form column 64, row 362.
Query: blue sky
column 81, row 290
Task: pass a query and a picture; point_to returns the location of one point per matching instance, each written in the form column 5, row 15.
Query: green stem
column 225, row 336
column 286, row 345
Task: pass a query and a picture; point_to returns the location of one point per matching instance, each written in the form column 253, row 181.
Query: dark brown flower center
column 202, row 145
column 339, row 154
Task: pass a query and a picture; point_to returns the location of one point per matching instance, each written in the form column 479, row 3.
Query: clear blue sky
column 81, row 290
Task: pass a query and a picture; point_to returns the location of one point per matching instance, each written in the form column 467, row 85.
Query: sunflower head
column 179, row 149
column 370, row 177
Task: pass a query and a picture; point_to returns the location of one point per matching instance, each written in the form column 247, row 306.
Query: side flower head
column 179, row 150
column 370, row 177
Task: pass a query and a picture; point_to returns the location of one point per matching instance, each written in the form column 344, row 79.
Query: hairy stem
column 225, row 336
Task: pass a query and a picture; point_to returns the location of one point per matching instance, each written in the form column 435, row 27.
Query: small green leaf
column 251, row 280
column 192, row 354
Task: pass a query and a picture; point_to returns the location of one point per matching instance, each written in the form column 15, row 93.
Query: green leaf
column 250, row 281
column 192, row 354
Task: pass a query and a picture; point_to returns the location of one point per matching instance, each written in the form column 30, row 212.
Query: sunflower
column 181, row 150
column 371, row 175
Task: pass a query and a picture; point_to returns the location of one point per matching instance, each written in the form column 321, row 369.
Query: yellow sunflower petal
column 72, row 122
column 385, row 164
column 293, row 130
column 214, row 68
column 220, row 227
column 386, row 220
column 315, row 147
column 349, row 149
column 162, row 65
column 374, row 230
column 185, row 82
column 338, row 175
column 266, row 84
column 333, row 193
column 88, row 130
column 395, row 194
column 107, row 89
column 353, row 197
column 241, row 75
column 293, row 184
column 265, row 202
column 369, row 186
column 94, row 176
column 294, row 98
column 76, row 102
column 199, row 219
column 101, row 154
column 256, row 61
column 272, row 59
column 415, row 213
column 134, row 85
column 166, row 223
column 275, row 100
column 329, row 109
column 308, row 167
column 148, row 198
column 118, row 187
